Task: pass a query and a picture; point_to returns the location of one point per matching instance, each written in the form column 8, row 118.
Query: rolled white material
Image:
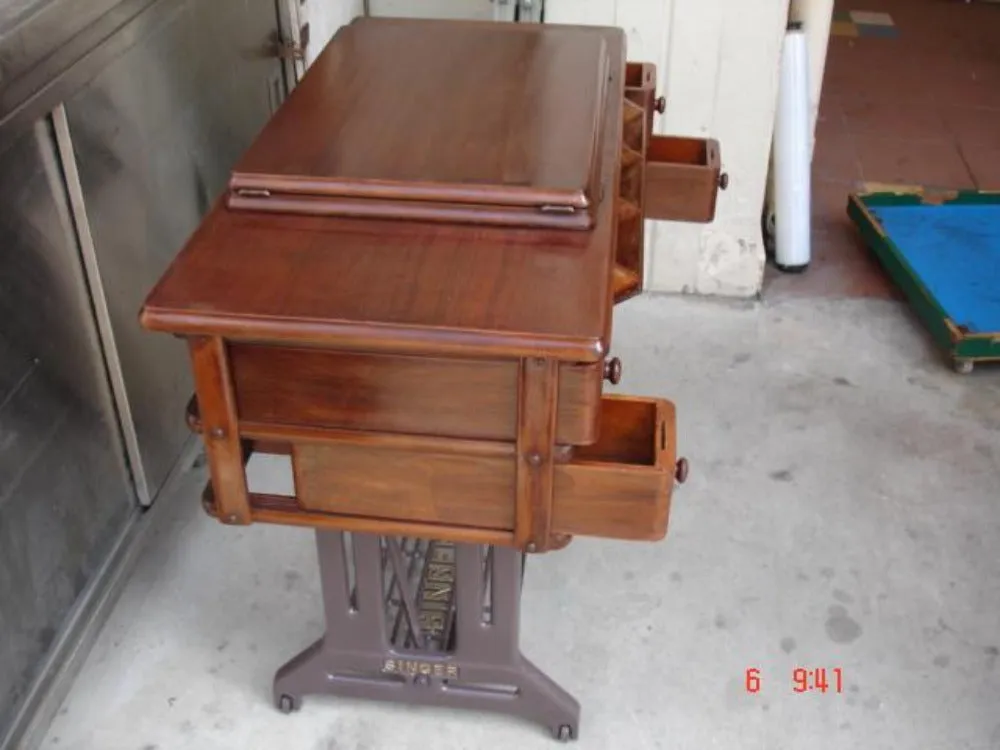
column 816, row 17
column 792, row 156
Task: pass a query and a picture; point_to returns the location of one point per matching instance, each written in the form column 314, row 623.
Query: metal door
column 65, row 493
column 155, row 135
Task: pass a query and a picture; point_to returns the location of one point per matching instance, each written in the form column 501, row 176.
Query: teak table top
column 466, row 112
column 404, row 101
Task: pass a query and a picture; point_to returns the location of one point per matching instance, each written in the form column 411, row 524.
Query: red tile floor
column 919, row 107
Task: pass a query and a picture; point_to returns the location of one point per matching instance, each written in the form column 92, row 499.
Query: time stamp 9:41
column 819, row 680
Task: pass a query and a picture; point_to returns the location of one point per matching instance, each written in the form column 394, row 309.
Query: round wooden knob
column 613, row 371
column 681, row 471
column 723, row 180
column 660, row 105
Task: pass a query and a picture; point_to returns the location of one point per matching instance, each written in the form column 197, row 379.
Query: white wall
column 324, row 18
column 480, row 10
column 717, row 63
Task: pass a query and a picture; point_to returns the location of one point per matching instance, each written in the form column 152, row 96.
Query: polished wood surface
column 395, row 287
column 406, row 286
column 405, row 485
column 637, row 126
column 286, row 511
column 619, row 488
column 538, row 397
column 392, row 286
column 682, row 178
column 549, row 216
column 492, row 115
column 217, row 407
column 429, row 376
column 640, row 89
column 464, row 398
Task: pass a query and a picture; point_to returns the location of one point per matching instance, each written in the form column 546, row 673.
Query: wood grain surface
column 620, row 487
column 431, row 376
column 465, row 398
column 220, row 429
column 432, row 288
column 682, row 178
column 495, row 115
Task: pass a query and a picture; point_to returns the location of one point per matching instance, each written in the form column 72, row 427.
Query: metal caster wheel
column 287, row 704
column 564, row 733
column 962, row 366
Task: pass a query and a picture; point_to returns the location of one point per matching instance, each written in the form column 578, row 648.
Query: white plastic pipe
column 793, row 156
column 816, row 17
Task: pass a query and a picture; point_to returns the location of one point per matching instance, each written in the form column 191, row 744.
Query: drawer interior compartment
column 640, row 75
column 459, row 398
column 628, row 266
column 682, row 178
column 640, row 89
column 633, row 125
column 620, row 487
column 631, row 175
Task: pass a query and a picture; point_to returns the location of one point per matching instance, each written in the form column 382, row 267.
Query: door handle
column 292, row 50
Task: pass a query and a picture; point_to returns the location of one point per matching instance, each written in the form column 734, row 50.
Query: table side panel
column 464, row 398
column 405, row 485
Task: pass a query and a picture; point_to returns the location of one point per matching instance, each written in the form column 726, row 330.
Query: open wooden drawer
column 683, row 177
column 620, row 487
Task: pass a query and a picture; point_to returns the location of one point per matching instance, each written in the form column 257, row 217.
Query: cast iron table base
column 424, row 622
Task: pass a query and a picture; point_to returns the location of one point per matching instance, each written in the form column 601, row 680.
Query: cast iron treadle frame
column 424, row 622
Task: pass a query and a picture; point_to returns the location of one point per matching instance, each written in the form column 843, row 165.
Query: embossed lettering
column 437, row 595
column 411, row 668
column 443, row 554
column 439, row 572
column 432, row 622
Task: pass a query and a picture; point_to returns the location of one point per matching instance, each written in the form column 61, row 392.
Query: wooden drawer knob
column 660, row 104
column 613, row 371
column 681, row 471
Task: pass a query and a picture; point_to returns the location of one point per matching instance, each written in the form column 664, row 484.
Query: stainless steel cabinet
column 155, row 135
column 65, row 491
column 119, row 122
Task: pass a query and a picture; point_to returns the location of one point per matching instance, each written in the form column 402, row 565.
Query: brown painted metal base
column 424, row 622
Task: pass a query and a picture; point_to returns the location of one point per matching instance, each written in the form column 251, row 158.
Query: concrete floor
column 842, row 513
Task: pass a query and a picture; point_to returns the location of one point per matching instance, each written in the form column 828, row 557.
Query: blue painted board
column 954, row 249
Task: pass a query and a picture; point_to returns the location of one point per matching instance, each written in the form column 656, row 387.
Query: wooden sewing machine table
column 408, row 288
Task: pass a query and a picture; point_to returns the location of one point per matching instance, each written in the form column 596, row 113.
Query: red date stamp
column 818, row 680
